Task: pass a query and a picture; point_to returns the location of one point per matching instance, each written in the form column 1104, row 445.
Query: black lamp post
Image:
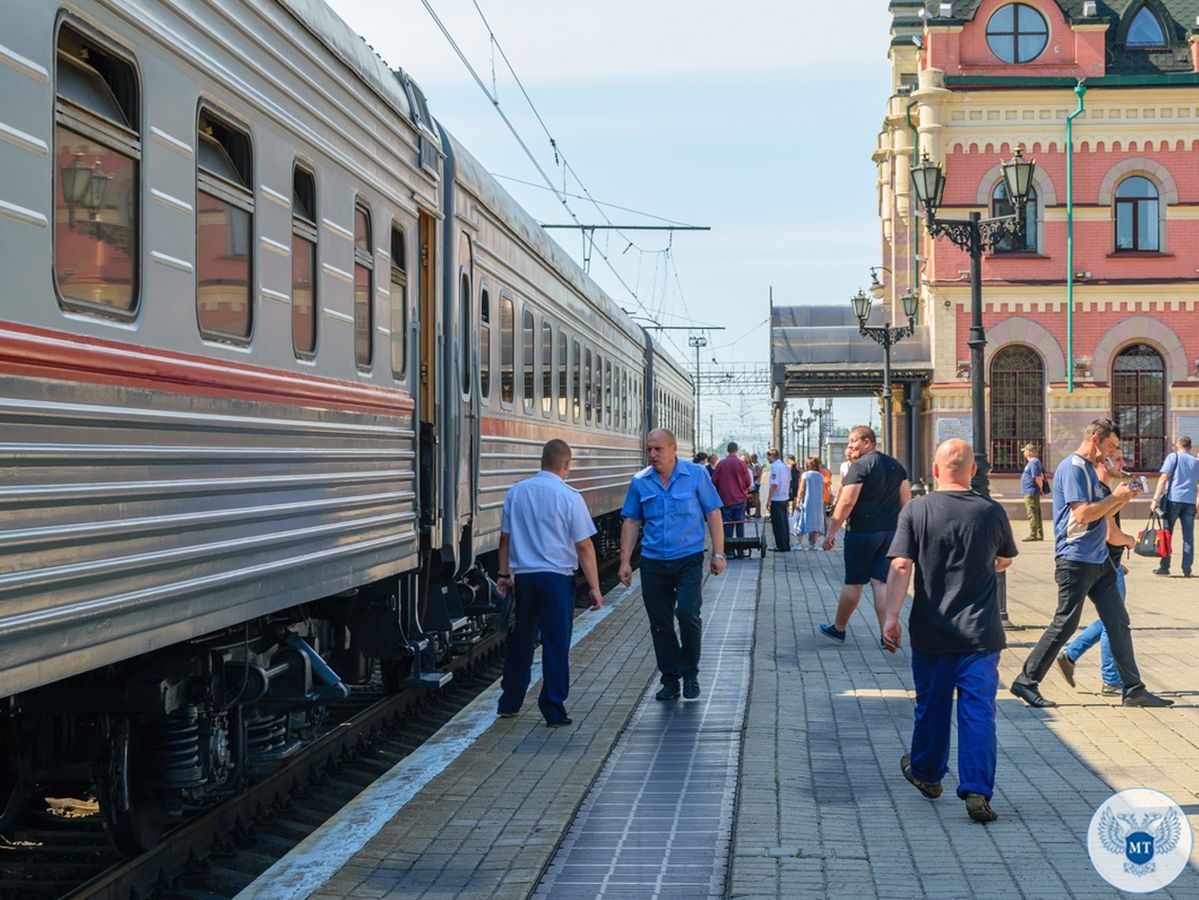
column 887, row 336
column 974, row 235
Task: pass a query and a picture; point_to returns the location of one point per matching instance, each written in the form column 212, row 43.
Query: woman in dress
column 811, row 502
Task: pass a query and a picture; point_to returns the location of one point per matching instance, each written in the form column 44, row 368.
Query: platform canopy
column 817, row 351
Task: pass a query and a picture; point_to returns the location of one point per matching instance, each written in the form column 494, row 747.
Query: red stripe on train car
column 40, row 353
column 497, row 427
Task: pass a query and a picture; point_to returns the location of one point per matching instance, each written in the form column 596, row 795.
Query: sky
column 756, row 119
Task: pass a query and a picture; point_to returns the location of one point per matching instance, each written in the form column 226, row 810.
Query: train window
column 528, row 362
column 399, row 305
column 597, row 387
column 608, row 393
column 464, row 322
column 98, row 147
column 303, row 263
column 364, row 286
column 563, row 374
column 587, row 382
column 624, row 401
column 507, row 351
column 224, row 229
column 485, row 343
column 547, row 367
column 576, row 390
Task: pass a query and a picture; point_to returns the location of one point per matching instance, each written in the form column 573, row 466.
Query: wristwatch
column 719, row 556
column 503, row 575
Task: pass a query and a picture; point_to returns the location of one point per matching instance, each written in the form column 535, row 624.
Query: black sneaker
column 691, row 688
column 1031, row 695
column 979, row 809
column 1145, row 698
column 1065, row 665
column 668, row 692
column 1161, row 571
column 832, row 631
column 562, row 724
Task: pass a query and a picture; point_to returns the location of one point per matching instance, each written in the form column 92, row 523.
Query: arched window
column 1017, row 33
column 1139, row 406
column 1145, row 30
column 1001, row 206
column 1137, row 223
column 1017, row 406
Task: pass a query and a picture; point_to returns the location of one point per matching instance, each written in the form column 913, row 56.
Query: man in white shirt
column 780, row 499
column 545, row 534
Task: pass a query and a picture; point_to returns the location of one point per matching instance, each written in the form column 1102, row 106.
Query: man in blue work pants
column 953, row 541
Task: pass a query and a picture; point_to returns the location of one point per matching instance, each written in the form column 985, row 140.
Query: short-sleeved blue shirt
column 1028, row 481
column 672, row 516
column 1183, row 470
column 1075, row 481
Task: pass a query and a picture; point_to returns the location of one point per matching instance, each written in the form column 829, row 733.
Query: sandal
column 931, row 790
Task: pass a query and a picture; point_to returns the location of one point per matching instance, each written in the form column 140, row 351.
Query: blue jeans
column 671, row 588
column 975, row 676
column 544, row 600
column 1096, row 632
column 1184, row 512
column 733, row 513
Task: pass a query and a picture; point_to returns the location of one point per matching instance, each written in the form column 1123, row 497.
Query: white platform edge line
column 317, row 858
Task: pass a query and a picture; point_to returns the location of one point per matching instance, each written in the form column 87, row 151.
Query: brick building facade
column 972, row 79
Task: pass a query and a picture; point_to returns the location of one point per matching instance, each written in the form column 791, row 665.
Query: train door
column 466, row 461
column 430, row 471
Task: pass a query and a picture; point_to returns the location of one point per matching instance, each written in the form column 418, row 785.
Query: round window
column 1017, row 33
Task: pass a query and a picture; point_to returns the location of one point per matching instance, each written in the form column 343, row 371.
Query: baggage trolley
column 744, row 547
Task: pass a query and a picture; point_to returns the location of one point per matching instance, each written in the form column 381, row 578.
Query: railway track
column 62, row 850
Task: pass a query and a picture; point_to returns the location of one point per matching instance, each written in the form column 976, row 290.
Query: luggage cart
column 744, row 547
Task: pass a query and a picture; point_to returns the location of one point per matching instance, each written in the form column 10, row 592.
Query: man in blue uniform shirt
column 1179, row 474
column 673, row 500
column 545, row 534
column 1083, row 569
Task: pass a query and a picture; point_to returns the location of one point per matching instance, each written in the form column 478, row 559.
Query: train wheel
column 133, row 816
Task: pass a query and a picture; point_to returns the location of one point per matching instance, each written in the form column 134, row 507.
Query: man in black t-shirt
column 872, row 493
column 956, row 541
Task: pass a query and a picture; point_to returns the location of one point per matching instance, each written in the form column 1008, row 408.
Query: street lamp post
column 886, row 336
column 807, row 436
column 974, row 235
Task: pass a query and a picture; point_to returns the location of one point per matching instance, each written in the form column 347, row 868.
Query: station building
column 971, row 79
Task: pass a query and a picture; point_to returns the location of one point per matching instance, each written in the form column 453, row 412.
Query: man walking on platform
column 673, row 500
column 956, row 540
column 1083, row 569
column 731, row 480
column 545, row 534
column 1031, row 486
column 1180, row 471
column 872, row 493
column 780, row 500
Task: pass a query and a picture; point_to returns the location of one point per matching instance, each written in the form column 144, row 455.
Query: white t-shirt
column 780, row 481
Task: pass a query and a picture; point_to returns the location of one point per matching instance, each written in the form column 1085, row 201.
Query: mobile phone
column 1144, row 483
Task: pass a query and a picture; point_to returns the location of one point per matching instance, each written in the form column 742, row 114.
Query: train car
column 272, row 348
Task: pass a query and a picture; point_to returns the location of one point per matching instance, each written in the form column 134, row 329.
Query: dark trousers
column 733, row 513
column 975, row 677
column 778, row 521
column 671, row 588
column 1075, row 581
column 544, row 600
column 1185, row 513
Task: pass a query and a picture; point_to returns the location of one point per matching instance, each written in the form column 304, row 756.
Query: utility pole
column 698, row 341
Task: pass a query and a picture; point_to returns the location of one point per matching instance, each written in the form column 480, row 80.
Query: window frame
column 399, row 336
column 219, row 188
column 1146, row 8
column 308, row 231
column 528, row 359
column 1135, row 203
column 576, row 382
column 1030, row 215
column 1011, row 389
column 120, row 138
column 485, row 330
column 1015, row 34
column 1133, row 442
column 548, row 373
column 563, row 397
column 364, row 259
column 466, row 317
column 507, row 336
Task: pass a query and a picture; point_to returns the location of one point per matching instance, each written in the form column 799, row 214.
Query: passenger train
column 273, row 346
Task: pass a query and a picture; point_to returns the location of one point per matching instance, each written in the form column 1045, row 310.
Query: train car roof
column 352, row 49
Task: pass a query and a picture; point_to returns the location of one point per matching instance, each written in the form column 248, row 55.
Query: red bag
column 1155, row 541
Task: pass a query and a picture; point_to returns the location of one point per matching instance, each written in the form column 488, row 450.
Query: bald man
column 954, row 541
column 673, row 499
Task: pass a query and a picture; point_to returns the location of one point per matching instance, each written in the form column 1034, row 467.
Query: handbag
column 1046, row 487
column 1154, row 541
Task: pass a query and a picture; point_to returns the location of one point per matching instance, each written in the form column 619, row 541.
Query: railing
column 1172, row 57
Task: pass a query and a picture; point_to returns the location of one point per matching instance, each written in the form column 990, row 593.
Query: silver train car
column 272, row 348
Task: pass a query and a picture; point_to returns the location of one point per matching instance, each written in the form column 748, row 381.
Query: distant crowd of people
column 948, row 546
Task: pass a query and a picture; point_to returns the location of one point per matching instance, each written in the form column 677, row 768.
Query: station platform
column 782, row 781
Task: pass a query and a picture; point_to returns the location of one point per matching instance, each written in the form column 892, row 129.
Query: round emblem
column 1139, row 840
